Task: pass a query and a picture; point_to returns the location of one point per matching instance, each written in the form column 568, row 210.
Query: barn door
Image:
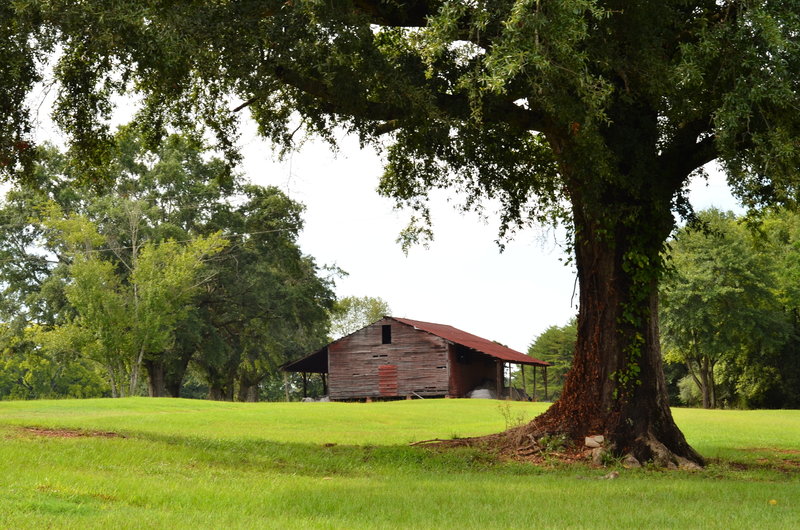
column 387, row 380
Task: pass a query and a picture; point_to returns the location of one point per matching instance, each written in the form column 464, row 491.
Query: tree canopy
column 352, row 313
column 175, row 266
column 728, row 309
column 718, row 300
column 595, row 112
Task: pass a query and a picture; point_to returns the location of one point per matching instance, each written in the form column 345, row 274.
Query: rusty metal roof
column 474, row 342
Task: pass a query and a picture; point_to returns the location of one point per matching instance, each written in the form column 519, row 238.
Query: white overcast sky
column 462, row 279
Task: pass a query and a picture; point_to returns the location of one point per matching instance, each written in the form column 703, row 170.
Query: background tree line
column 729, row 313
column 176, row 279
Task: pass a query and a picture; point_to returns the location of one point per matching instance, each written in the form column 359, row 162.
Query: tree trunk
column 216, row 394
column 156, row 386
column 113, row 381
column 705, row 388
column 713, row 384
column 165, row 375
column 616, row 386
column 176, row 365
column 173, row 385
column 248, row 392
column 221, row 390
column 220, row 393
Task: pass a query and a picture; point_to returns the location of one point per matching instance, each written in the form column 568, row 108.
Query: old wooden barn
column 397, row 357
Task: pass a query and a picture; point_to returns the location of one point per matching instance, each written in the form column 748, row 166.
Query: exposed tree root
column 532, row 443
column 648, row 448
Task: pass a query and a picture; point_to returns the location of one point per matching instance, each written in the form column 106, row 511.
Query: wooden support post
column 534, row 382
column 524, row 386
column 305, row 385
column 510, row 384
column 286, row 385
column 324, row 384
column 499, row 379
column 545, row 383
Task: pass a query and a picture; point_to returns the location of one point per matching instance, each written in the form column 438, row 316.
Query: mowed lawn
column 166, row 463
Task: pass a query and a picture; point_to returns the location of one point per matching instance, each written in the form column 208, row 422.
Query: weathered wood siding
column 469, row 369
column 360, row 366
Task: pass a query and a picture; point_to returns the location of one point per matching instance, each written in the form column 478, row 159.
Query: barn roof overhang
column 315, row 363
column 495, row 358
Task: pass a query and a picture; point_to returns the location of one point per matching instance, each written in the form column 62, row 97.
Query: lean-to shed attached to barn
column 398, row 357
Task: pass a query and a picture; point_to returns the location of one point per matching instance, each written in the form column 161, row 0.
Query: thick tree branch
column 454, row 106
column 410, row 13
column 685, row 154
column 703, row 152
column 321, row 92
column 387, row 127
column 244, row 104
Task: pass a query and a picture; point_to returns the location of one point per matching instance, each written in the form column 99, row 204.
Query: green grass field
column 198, row 464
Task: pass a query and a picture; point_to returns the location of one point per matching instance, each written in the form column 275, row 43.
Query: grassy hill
column 160, row 463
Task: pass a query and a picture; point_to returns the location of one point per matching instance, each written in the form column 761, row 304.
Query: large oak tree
column 592, row 112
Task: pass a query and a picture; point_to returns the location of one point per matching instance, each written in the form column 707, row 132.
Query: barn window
column 386, row 334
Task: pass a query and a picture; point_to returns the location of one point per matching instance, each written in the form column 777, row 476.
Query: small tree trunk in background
column 175, row 372
column 705, row 389
column 137, row 366
column 173, row 386
column 113, row 381
column 220, row 392
column 220, row 380
column 248, row 392
column 713, row 387
column 216, row 394
column 165, row 379
column 155, row 378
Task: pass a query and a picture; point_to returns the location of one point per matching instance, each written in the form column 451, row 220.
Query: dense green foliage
column 729, row 311
column 461, row 85
column 176, row 266
column 126, row 311
column 31, row 372
column 352, row 313
column 348, row 465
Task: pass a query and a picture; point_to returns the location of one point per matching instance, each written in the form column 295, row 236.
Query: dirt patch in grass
column 771, row 450
column 779, row 463
column 69, row 433
column 786, row 465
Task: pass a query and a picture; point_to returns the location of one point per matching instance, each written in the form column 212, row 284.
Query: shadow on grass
column 325, row 460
